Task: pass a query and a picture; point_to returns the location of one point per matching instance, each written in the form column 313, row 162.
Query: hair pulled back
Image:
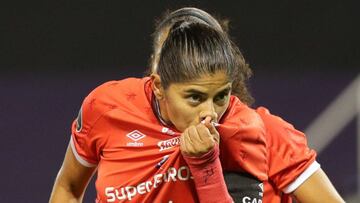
column 189, row 43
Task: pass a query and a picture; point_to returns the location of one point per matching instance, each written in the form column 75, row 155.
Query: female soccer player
column 170, row 136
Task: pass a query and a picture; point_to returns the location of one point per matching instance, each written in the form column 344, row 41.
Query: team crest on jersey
column 135, row 136
column 79, row 121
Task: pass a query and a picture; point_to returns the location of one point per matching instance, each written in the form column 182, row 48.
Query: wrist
column 208, row 176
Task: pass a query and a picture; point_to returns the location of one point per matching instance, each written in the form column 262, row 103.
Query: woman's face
column 188, row 103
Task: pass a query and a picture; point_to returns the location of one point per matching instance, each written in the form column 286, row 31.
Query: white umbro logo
column 135, row 135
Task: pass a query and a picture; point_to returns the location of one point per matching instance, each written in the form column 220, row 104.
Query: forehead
column 205, row 82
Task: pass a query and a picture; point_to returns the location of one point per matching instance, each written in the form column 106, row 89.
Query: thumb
column 211, row 126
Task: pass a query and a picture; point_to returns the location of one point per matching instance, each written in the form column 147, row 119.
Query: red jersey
column 139, row 159
column 290, row 160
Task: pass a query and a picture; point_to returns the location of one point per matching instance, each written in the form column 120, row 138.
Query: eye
column 194, row 98
column 221, row 98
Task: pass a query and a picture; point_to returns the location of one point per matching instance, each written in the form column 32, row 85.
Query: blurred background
column 305, row 56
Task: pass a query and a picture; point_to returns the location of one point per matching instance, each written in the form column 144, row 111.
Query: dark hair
column 189, row 43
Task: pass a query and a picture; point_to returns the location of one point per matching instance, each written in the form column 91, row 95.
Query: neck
column 159, row 112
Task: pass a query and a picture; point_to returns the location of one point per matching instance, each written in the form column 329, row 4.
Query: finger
column 182, row 141
column 207, row 121
column 191, row 132
column 186, row 145
column 197, row 142
column 194, row 135
column 212, row 129
column 217, row 138
column 204, row 132
column 210, row 124
column 214, row 133
column 205, row 135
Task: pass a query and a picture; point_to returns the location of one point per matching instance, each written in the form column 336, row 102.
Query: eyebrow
column 194, row 91
column 227, row 89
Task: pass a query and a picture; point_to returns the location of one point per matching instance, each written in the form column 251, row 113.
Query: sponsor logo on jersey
column 167, row 144
column 247, row 199
column 167, row 131
column 173, row 174
column 261, row 186
column 254, row 198
column 135, row 136
column 163, row 160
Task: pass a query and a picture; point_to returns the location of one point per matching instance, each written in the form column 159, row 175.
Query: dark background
column 53, row 53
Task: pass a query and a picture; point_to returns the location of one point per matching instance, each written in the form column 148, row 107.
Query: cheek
column 221, row 110
column 181, row 115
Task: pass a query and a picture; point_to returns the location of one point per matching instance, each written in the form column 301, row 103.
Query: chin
column 181, row 128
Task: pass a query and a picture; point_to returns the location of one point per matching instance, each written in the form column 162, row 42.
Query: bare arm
column 317, row 189
column 71, row 180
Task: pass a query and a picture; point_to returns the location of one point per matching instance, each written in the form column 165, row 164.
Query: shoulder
column 287, row 145
column 240, row 113
column 110, row 95
column 280, row 131
column 243, row 140
column 112, row 89
column 288, row 153
column 271, row 120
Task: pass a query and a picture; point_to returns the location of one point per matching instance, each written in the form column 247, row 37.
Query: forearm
column 62, row 194
column 71, row 181
column 208, row 177
column 317, row 188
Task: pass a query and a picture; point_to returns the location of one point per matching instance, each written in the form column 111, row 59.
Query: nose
column 208, row 110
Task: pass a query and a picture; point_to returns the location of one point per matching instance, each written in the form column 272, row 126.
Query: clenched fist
column 199, row 139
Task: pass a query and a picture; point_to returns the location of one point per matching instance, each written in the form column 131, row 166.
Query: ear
column 157, row 87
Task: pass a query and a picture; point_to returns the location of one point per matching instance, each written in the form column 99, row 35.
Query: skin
column 186, row 110
column 71, row 180
column 186, row 104
column 317, row 189
column 199, row 139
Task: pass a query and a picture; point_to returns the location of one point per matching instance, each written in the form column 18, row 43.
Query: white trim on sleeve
column 302, row 178
column 78, row 157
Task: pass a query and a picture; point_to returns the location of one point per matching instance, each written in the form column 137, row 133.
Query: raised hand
column 199, row 139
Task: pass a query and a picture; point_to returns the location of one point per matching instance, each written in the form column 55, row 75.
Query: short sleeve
column 290, row 159
column 85, row 144
column 243, row 141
